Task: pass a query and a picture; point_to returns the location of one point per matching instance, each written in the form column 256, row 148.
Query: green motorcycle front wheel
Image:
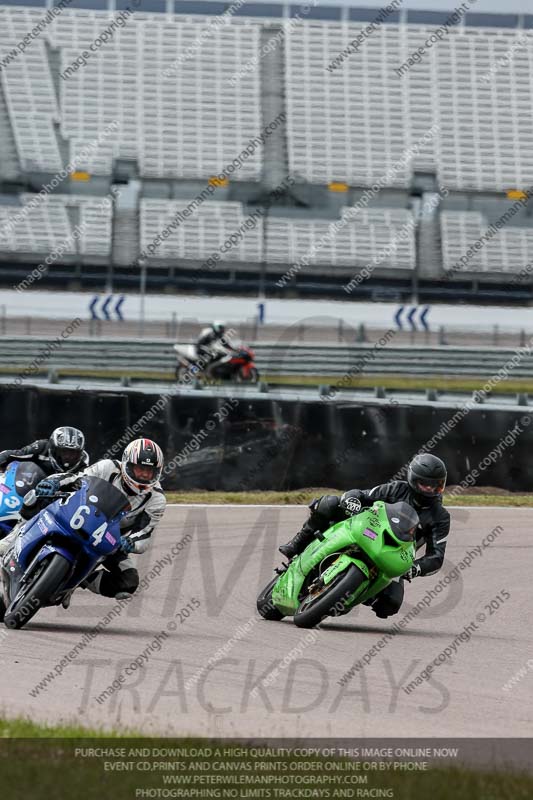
column 265, row 606
column 329, row 600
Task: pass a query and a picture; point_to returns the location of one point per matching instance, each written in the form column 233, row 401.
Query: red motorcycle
column 238, row 366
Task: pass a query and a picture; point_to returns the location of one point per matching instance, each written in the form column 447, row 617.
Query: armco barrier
column 82, row 356
column 214, row 442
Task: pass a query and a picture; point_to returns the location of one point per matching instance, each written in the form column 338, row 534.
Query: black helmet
column 66, row 448
column 427, row 475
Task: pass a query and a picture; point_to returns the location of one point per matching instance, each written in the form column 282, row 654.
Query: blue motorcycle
column 59, row 548
column 15, row 483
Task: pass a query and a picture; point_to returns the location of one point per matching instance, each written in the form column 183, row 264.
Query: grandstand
column 510, row 250
column 57, row 221
column 362, row 241
column 170, row 103
column 199, row 236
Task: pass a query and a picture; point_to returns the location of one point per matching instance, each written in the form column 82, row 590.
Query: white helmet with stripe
column 142, row 465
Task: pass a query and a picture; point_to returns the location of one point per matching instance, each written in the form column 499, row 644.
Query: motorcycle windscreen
column 403, row 520
column 27, row 477
column 106, row 498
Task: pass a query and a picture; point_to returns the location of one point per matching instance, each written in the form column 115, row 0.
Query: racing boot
column 67, row 597
column 299, row 542
column 94, row 581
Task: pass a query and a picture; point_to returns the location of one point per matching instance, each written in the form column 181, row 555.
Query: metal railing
column 89, row 356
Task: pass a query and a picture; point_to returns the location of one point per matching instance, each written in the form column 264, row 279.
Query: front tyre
column 38, row 593
column 323, row 602
column 264, row 603
column 181, row 371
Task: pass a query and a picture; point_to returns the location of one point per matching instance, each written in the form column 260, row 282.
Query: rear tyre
column 251, row 376
column 38, row 593
column 264, row 603
column 318, row 605
column 2, row 609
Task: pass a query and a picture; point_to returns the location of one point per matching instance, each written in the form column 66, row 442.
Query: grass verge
column 442, row 383
column 304, row 497
column 56, row 764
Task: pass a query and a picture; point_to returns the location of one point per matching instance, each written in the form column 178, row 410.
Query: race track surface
column 229, row 556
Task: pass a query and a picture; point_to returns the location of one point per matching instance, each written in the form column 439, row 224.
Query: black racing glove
column 350, row 505
column 412, row 572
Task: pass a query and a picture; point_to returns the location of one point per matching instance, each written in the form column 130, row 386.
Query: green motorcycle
column 347, row 565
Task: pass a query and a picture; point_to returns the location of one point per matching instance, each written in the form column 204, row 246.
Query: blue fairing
column 83, row 527
column 15, row 482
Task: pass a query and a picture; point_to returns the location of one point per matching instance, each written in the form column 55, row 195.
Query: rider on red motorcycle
column 213, row 345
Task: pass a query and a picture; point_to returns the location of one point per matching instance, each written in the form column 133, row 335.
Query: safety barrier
column 122, row 356
column 216, row 441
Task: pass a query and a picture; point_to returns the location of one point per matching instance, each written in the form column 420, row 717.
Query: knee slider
column 389, row 601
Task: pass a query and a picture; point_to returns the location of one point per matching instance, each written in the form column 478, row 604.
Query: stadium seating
column 349, row 124
column 485, row 125
column 29, row 91
column 420, row 100
column 509, row 250
column 196, row 123
column 362, row 241
column 42, row 229
column 355, row 122
column 95, row 223
column 201, row 234
column 352, row 123
column 72, row 223
column 191, row 124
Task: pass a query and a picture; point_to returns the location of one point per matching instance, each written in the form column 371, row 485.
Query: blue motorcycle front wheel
column 51, row 575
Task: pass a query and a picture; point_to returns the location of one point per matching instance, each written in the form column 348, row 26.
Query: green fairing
column 391, row 559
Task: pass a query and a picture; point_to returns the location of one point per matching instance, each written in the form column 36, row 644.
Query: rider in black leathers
column 423, row 489
column 62, row 452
